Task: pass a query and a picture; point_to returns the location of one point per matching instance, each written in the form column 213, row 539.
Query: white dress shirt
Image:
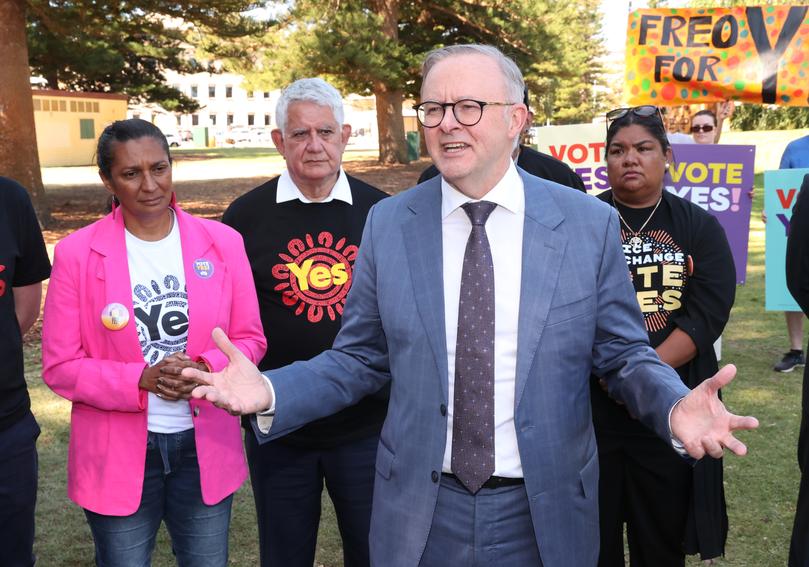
column 288, row 191
column 504, row 229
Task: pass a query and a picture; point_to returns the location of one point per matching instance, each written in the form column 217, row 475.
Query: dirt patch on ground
column 78, row 205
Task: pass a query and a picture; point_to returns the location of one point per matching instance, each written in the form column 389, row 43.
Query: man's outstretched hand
column 239, row 388
column 702, row 423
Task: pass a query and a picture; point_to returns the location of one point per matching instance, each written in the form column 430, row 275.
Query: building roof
column 77, row 94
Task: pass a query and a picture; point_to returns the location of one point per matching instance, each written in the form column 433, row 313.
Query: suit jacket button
column 196, row 411
column 434, row 475
column 443, row 410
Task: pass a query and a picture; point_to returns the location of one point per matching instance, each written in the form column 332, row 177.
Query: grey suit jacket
column 578, row 314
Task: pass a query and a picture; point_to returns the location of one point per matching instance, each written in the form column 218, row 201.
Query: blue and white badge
column 203, row 268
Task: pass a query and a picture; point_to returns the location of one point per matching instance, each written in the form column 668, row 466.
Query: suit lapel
column 422, row 237
column 204, row 273
column 543, row 251
column 112, row 275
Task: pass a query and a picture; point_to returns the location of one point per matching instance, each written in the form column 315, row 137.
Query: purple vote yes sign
column 718, row 178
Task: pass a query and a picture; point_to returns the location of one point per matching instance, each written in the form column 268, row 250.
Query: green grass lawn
column 761, row 487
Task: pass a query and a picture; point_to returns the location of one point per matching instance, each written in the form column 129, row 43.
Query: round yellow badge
column 115, row 316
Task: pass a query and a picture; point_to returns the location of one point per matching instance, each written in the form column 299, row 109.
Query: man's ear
column 517, row 117
column 345, row 133
column 278, row 139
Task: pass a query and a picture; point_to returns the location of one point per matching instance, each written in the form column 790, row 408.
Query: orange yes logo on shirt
column 314, row 275
column 318, row 277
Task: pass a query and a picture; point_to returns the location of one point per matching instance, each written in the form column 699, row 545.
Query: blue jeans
column 18, row 492
column 171, row 492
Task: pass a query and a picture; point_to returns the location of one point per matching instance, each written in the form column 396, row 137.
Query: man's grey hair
column 515, row 85
column 314, row 90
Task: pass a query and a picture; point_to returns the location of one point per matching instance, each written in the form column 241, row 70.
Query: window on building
column 251, row 119
column 249, row 94
column 266, row 94
column 266, row 119
column 230, row 118
column 211, row 91
column 194, row 91
column 95, row 106
column 195, row 120
column 81, row 106
column 62, row 106
column 87, row 129
column 213, row 119
column 37, row 104
column 228, row 91
column 72, row 106
column 46, row 105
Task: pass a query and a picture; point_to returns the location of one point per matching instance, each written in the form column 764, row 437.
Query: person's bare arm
column 27, row 301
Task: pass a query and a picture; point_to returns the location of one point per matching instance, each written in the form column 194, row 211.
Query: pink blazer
column 98, row 369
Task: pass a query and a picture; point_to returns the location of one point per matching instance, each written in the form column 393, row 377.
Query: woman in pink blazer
column 132, row 300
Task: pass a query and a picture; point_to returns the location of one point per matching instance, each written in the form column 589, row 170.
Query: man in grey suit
column 484, row 297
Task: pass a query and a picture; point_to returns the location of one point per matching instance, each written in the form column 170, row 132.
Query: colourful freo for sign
column 755, row 54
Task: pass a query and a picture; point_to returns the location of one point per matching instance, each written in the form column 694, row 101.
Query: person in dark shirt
column 302, row 231
column 24, row 264
column 797, row 268
column 682, row 269
column 532, row 161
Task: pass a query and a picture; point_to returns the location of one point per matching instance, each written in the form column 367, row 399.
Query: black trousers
column 799, row 547
column 287, row 486
column 18, row 492
column 644, row 483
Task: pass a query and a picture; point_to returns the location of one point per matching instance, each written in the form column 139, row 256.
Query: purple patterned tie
column 473, row 401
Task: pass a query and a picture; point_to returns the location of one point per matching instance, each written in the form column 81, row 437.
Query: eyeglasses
column 696, row 128
column 467, row 112
column 644, row 111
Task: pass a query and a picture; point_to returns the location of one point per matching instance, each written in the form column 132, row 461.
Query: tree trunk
column 389, row 122
column 392, row 146
column 18, row 141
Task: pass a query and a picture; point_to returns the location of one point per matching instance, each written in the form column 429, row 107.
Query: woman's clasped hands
column 165, row 378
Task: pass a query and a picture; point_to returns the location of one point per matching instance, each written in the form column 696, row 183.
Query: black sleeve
column 428, row 173
column 32, row 263
column 712, row 286
column 228, row 216
column 574, row 181
column 797, row 257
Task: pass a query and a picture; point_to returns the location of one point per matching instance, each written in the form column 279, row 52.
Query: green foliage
column 760, row 117
column 125, row 46
column 348, row 43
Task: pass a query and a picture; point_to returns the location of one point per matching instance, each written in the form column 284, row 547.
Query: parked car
column 240, row 135
column 173, row 140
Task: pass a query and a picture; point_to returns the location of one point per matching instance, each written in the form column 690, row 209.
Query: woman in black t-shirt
column 682, row 270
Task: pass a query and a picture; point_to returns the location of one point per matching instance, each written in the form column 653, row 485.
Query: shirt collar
column 288, row 191
column 508, row 193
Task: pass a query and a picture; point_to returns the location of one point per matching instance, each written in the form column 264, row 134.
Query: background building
column 68, row 124
column 231, row 114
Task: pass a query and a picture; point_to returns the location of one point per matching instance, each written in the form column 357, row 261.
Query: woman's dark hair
column 705, row 112
column 123, row 131
column 653, row 124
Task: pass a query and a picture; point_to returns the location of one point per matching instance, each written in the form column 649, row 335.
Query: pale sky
column 615, row 17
